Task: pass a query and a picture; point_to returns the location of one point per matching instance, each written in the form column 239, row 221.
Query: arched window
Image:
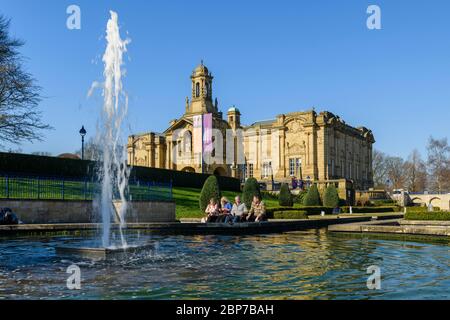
column 187, row 142
column 207, row 89
column 197, row 90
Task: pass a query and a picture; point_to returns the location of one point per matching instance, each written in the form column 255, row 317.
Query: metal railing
column 14, row 186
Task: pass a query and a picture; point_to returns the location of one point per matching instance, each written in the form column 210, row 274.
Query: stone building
column 310, row 146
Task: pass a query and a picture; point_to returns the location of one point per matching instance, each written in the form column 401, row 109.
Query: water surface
column 297, row 265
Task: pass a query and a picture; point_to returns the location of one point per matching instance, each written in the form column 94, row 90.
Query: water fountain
column 113, row 171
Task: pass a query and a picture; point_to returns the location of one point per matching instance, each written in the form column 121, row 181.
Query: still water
column 298, row 265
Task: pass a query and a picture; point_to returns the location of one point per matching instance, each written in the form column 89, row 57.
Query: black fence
column 62, row 168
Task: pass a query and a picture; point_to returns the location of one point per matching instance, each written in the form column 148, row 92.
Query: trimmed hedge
column 346, row 209
column 251, row 188
column 331, row 197
column 24, row 164
column 209, row 191
column 285, row 197
column 421, row 209
column 312, row 198
column 309, row 210
column 428, row 216
column 293, row 214
column 384, row 202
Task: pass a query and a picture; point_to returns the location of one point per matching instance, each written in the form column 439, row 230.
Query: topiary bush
column 331, row 197
column 285, row 197
column 209, row 191
column 312, row 198
column 251, row 188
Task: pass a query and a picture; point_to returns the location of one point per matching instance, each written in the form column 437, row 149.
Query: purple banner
column 207, row 133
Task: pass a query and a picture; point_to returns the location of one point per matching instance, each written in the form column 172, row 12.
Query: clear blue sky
column 268, row 57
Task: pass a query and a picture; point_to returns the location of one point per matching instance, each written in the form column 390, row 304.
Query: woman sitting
column 212, row 211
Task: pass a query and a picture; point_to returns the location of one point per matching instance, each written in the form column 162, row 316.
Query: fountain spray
column 114, row 172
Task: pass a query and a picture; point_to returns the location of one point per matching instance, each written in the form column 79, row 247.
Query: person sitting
column 238, row 211
column 7, row 217
column 225, row 210
column 212, row 211
column 257, row 212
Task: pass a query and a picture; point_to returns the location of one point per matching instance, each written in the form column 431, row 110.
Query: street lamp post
column 82, row 134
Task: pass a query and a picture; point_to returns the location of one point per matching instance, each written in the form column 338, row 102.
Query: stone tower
column 234, row 117
column 201, row 101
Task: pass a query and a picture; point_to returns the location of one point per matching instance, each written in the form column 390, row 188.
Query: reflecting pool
column 297, row 265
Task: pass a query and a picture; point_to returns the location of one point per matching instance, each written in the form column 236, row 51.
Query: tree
column 439, row 164
column 20, row 119
column 415, row 172
column 251, row 189
column 285, row 197
column 312, row 198
column 380, row 169
column 331, row 197
column 209, row 191
column 395, row 171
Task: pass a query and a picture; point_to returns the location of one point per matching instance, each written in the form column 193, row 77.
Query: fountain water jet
column 114, row 172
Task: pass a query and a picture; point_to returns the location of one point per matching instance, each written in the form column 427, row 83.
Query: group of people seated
column 236, row 212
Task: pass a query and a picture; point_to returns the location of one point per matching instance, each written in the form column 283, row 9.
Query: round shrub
column 285, row 197
column 312, row 198
column 251, row 188
column 331, row 197
column 209, row 191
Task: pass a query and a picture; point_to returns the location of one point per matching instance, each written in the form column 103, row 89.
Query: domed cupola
column 201, row 90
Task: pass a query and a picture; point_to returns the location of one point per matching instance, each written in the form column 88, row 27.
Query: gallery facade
column 306, row 145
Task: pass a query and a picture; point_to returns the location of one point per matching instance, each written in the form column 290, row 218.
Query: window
column 292, row 167
column 197, row 90
column 249, row 170
column 267, row 170
column 295, row 167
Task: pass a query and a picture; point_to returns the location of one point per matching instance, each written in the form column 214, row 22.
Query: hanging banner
column 197, row 138
column 207, row 133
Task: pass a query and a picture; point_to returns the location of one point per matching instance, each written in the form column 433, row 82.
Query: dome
column 201, row 69
column 234, row 109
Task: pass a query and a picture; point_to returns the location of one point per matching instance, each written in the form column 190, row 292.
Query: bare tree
column 20, row 119
column 415, row 172
column 380, row 170
column 396, row 172
column 439, row 164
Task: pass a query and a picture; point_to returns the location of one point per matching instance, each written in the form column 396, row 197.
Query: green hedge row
column 309, row 210
column 383, row 202
column 429, row 216
column 346, row 209
column 24, row 164
column 421, row 209
column 292, row 214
